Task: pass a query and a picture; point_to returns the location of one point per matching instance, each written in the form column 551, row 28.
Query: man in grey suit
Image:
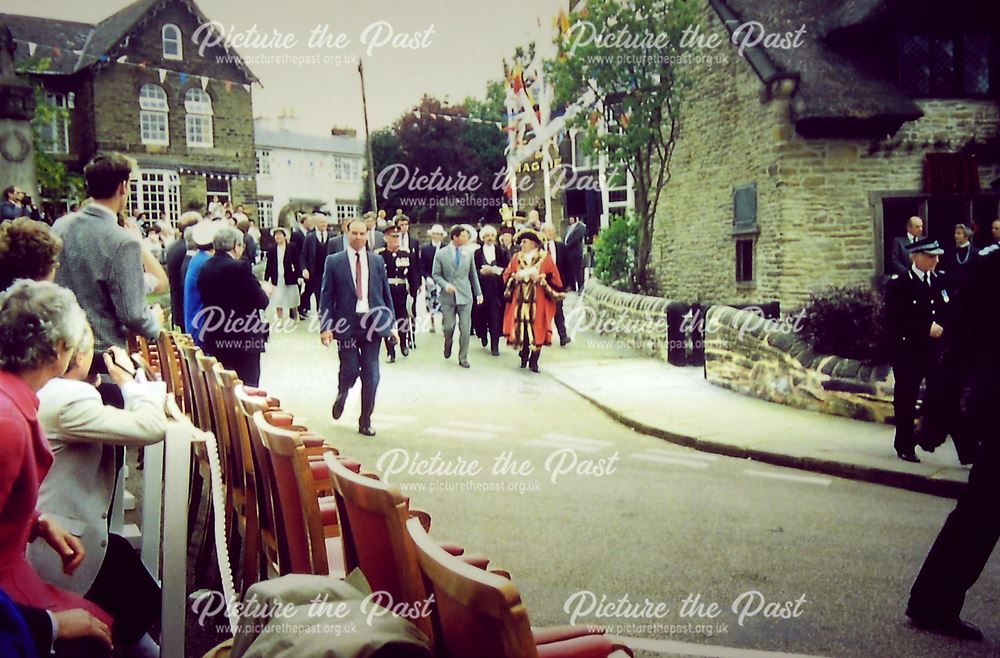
column 900, row 258
column 454, row 272
column 102, row 263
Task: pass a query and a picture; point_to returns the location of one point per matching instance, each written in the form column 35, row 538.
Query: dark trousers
column 909, row 373
column 312, row 289
column 125, row 590
column 359, row 356
column 560, row 320
column 970, row 534
column 489, row 322
column 246, row 365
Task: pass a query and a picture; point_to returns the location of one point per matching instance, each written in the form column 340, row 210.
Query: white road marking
column 567, row 438
column 808, row 479
column 673, row 647
column 479, row 426
column 561, row 445
column 664, row 459
column 460, row 434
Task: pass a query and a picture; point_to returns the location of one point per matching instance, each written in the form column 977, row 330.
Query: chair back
column 200, row 410
column 263, row 482
column 297, row 502
column 170, row 367
column 373, row 518
column 219, row 419
column 477, row 614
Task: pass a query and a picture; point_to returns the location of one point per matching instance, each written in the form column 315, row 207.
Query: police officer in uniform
column 916, row 311
column 404, row 279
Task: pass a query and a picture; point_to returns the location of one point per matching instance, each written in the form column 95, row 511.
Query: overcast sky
column 465, row 48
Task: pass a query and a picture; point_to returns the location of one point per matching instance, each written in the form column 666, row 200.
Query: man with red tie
column 356, row 309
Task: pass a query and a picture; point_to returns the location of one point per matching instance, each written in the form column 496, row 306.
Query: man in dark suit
column 356, row 310
column 298, row 239
column 916, row 310
column 313, row 257
column 900, row 257
column 376, row 239
column 575, row 237
column 412, row 245
column 491, row 261
column 234, row 331
column 455, row 274
column 558, row 253
column 969, row 536
column 177, row 253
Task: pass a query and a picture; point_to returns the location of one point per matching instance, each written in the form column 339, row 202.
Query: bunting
column 455, row 117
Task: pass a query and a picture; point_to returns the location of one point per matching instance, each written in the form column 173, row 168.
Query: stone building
column 300, row 172
column 798, row 163
column 138, row 84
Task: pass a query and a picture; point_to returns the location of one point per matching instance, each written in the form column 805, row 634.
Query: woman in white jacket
column 78, row 490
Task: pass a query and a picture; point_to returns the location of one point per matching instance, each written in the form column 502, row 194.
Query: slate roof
column 268, row 138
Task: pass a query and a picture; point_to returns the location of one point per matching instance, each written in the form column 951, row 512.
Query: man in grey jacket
column 454, row 272
column 101, row 262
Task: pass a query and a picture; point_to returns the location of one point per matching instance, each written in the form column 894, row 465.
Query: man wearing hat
column 916, row 311
column 426, row 262
column 203, row 233
column 403, row 279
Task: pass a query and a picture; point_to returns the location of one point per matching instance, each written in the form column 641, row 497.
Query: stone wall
column 767, row 360
column 814, row 210
column 635, row 321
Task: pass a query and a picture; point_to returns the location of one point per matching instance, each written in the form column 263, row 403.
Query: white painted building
column 295, row 169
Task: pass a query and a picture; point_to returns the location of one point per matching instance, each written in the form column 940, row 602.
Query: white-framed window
column 265, row 212
column 346, row 168
column 55, row 134
column 156, row 191
column 217, row 187
column 263, row 161
column 173, row 47
column 198, row 118
column 153, row 110
column 346, row 211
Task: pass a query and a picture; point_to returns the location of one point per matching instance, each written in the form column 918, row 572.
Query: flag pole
column 368, row 140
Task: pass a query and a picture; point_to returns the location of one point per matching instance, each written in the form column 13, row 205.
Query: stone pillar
column 17, row 107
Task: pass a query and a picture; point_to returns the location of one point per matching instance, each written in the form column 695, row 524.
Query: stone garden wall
column 637, row 321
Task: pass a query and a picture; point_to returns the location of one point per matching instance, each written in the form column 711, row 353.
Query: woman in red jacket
column 531, row 282
column 40, row 326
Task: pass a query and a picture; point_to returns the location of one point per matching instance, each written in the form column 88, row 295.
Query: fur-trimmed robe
column 535, row 301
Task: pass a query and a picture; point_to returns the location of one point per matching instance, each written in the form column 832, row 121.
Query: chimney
column 287, row 119
column 338, row 131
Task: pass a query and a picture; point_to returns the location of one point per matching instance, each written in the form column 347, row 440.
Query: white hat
column 437, row 229
column 204, row 232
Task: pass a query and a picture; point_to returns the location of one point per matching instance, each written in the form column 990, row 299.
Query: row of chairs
column 297, row 505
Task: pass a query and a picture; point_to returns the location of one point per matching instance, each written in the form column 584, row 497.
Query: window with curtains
column 153, row 113
column 198, row 120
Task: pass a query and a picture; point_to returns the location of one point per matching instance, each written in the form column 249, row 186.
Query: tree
column 623, row 52
column 386, row 150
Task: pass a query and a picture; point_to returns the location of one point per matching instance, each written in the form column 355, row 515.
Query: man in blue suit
column 356, row 310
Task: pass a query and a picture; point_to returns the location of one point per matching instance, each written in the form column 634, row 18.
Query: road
column 793, row 562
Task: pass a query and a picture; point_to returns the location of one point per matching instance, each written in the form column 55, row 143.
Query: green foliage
column 848, row 322
column 55, row 181
column 631, row 71
column 615, row 252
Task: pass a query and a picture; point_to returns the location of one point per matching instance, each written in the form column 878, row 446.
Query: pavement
column 678, row 405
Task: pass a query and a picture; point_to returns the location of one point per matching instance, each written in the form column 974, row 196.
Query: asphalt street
column 687, row 553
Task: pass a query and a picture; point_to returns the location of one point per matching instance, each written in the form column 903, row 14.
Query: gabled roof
column 265, row 138
column 833, row 95
column 84, row 45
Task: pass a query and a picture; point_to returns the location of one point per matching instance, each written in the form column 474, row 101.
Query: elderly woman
column 40, row 326
column 531, row 283
column 28, row 250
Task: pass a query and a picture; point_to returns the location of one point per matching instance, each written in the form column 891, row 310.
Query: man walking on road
column 454, row 272
column 356, row 310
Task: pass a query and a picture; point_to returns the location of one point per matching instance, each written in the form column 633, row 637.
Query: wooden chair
column 170, row 367
column 304, row 507
column 479, row 614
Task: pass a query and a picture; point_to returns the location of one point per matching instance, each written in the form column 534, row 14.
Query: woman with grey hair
column 964, row 251
column 41, row 325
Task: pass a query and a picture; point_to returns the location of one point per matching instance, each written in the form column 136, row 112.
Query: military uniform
column 914, row 300
column 404, row 279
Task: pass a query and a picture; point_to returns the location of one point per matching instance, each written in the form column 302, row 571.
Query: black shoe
column 484, row 342
column 366, row 430
column 392, row 357
column 447, row 350
column 564, row 341
column 338, row 406
column 404, row 348
column 464, row 364
column 533, row 360
column 908, row 456
column 953, row 627
column 495, row 351
column 524, row 358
